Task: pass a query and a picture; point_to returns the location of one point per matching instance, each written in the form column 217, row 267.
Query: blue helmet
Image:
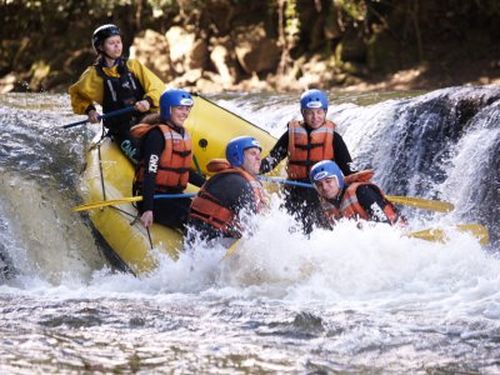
column 173, row 98
column 102, row 33
column 236, row 147
column 325, row 169
column 313, row 99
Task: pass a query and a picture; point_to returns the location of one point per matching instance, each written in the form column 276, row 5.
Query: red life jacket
column 175, row 159
column 304, row 150
column 207, row 208
column 349, row 206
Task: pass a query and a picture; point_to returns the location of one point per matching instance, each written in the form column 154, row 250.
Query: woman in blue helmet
column 216, row 209
column 115, row 82
column 165, row 161
column 352, row 197
column 305, row 143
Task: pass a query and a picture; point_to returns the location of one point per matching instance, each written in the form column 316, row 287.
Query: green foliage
column 292, row 23
column 355, row 9
column 161, row 4
column 58, row 31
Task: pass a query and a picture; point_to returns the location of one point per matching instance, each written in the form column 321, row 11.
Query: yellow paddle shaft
column 111, row 202
column 440, row 206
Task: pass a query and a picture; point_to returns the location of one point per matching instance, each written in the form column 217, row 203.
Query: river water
column 351, row 300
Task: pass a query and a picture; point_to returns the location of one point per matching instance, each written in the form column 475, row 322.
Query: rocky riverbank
column 266, row 45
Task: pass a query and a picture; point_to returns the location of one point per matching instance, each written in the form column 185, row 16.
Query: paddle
column 426, row 204
column 230, row 250
column 101, row 117
column 439, row 235
column 113, row 202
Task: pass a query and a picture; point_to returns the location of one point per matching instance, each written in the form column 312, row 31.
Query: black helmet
column 102, row 33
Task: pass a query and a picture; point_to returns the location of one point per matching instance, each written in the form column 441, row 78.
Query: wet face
column 251, row 160
column 113, row 46
column 328, row 188
column 314, row 117
column 179, row 114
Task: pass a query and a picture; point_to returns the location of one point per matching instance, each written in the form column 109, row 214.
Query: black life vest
column 120, row 92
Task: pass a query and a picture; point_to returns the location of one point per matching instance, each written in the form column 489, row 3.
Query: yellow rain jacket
column 90, row 87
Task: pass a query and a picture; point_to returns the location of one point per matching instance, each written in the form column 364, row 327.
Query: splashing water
column 351, row 299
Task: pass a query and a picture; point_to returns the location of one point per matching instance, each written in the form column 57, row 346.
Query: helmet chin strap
column 102, row 52
column 175, row 127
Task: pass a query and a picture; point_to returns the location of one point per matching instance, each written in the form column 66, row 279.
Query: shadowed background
column 218, row 45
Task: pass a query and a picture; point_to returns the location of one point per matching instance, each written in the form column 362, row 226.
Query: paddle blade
column 439, row 235
column 477, row 230
column 433, row 235
column 231, row 248
column 426, row 204
column 111, row 202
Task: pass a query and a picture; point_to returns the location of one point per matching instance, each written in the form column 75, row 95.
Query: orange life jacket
column 349, row 206
column 175, row 159
column 304, row 150
column 207, row 208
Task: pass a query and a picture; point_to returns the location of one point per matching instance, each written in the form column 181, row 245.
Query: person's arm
column 153, row 86
column 87, row 91
column 152, row 146
column 342, row 156
column 373, row 202
column 196, row 179
column 277, row 154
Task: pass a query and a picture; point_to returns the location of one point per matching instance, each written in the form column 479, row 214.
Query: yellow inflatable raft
column 108, row 175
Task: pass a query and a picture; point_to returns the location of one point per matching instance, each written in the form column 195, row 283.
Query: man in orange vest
column 165, row 161
column 353, row 196
column 306, row 143
column 216, row 210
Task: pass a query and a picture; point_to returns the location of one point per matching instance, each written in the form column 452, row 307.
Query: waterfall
column 442, row 145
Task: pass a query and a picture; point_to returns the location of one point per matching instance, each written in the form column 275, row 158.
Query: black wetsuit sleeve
column 373, row 202
column 342, row 155
column 152, row 147
column 277, row 154
column 196, row 179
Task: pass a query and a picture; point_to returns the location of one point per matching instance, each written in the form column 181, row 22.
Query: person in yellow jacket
column 115, row 82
